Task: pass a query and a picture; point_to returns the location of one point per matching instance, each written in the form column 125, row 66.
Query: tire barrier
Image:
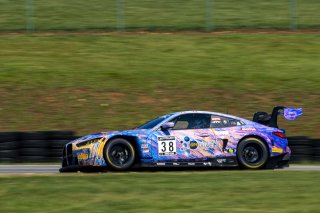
column 47, row 146
column 33, row 147
column 301, row 148
column 304, row 149
column 316, row 150
column 8, row 146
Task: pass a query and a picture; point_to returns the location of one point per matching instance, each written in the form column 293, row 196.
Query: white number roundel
column 167, row 145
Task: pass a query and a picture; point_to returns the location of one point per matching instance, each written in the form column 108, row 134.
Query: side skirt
column 217, row 162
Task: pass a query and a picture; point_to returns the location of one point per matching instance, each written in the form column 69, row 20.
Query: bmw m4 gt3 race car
column 187, row 139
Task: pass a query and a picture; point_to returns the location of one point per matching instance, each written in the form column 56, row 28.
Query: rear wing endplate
column 272, row 119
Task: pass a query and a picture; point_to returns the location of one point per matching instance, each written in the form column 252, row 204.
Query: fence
column 17, row 147
column 157, row 15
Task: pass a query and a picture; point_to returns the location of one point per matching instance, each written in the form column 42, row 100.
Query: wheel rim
column 252, row 154
column 119, row 154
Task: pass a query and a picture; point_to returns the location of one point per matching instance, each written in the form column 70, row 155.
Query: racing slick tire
column 252, row 153
column 119, row 154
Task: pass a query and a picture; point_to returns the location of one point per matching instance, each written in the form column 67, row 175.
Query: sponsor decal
column 145, row 150
column 176, row 164
column 248, row 129
column 161, row 164
column 209, row 145
column 222, row 160
column 222, row 133
column 230, row 150
column 231, row 160
column 144, row 146
column 82, row 156
column 166, row 138
column 193, row 145
column 215, row 120
column 276, row 149
column 191, row 164
column 207, row 164
column 167, row 146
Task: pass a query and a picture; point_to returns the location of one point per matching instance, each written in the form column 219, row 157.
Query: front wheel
column 119, row 154
column 252, row 153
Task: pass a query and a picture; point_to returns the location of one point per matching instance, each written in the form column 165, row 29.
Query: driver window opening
column 191, row 121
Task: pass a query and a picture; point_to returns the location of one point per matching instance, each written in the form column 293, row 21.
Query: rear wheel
column 252, row 153
column 119, row 154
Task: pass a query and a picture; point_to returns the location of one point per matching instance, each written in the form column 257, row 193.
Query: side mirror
column 167, row 126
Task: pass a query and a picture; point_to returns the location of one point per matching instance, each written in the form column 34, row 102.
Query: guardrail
column 46, row 146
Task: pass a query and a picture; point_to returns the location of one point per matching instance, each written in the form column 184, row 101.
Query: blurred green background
column 95, row 80
column 102, row 82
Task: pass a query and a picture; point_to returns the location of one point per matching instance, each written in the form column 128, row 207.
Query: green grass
column 98, row 82
column 214, row 191
column 157, row 15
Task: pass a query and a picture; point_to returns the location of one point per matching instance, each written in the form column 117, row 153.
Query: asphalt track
column 54, row 169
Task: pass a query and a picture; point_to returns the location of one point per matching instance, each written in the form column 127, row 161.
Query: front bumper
column 68, row 159
column 71, row 163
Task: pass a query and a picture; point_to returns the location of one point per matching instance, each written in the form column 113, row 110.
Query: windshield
column 152, row 123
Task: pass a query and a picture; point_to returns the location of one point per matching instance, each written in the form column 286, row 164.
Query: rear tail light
column 280, row 135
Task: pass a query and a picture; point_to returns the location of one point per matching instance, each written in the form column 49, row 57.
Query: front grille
column 64, row 158
column 69, row 154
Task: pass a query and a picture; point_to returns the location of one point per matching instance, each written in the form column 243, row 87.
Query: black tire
column 299, row 141
column 300, row 158
column 33, row 135
column 119, row 154
column 8, row 136
column 55, row 152
column 8, row 153
column 301, row 150
column 32, row 159
column 33, row 144
column 252, row 153
column 316, row 143
column 33, row 152
column 8, row 145
column 57, row 144
column 7, row 160
column 60, row 135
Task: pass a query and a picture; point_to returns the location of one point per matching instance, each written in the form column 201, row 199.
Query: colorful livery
column 187, row 139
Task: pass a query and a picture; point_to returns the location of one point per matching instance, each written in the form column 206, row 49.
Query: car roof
column 207, row 112
column 174, row 114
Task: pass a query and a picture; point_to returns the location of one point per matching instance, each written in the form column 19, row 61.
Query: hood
column 134, row 132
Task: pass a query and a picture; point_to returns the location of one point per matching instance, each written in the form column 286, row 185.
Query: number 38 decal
column 167, row 145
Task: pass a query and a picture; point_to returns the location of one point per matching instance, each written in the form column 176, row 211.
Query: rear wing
column 272, row 119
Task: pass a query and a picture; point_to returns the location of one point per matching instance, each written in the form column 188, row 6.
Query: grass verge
column 219, row 191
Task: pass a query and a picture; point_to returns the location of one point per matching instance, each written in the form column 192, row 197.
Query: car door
column 190, row 139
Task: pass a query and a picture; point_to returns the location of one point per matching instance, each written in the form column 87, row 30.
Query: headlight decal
column 88, row 142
